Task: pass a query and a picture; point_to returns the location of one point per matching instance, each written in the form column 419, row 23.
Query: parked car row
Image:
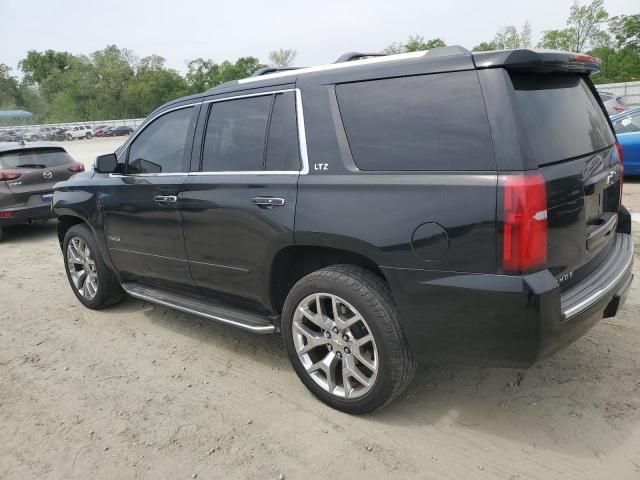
column 62, row 133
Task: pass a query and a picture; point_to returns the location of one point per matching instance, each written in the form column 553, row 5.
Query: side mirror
column 106, row 163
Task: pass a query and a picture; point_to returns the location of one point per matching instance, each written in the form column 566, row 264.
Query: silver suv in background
column 613, row 103
column 80, row 131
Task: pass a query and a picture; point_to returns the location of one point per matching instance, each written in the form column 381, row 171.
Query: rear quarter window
column 426, row 122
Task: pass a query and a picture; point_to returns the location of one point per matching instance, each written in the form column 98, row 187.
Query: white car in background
column 80, row 131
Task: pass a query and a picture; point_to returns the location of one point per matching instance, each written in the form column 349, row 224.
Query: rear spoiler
column 544, row 61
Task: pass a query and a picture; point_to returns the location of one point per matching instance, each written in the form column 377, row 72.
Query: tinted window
column 35, row 158
column 160, row 147
column 428, row 122
column 236, row 134
column 283, row 152
column 559, row 116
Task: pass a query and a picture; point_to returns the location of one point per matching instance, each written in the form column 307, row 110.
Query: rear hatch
column 36, row 171
column 564, row 132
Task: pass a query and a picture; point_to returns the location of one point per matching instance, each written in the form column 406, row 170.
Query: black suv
column 437, row 205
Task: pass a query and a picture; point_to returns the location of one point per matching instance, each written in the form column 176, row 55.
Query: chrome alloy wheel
column 335, row 345
column 82, row 268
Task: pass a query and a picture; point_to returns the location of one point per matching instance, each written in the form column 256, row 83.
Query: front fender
column 75, row 199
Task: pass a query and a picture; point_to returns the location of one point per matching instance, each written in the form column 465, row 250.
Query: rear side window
column 236, row 135
column 559, row 116
column 252, row 134
column 427, row 122
column 35, row 158
column 160, row 147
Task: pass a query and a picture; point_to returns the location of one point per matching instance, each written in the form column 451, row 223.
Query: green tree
column 415, row 43
column 283, row 57
column 557, row 40
column 152, row 85
column 508, row 37
column 584, row 29
column 486, row 46
column 10, row 96
column 621, row 65
column 204, row 74
column 38, row 66
column 626, row 31
column 114, row 68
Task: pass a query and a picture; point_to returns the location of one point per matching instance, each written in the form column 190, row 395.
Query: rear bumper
column 505, row 320
column 26, row 214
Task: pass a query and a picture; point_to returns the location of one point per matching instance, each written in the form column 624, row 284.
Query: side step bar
column 219, row 313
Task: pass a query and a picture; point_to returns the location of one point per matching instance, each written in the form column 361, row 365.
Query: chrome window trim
column 177, row 174
column 302, row 139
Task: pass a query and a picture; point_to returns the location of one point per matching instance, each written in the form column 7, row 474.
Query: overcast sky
column 320, row 31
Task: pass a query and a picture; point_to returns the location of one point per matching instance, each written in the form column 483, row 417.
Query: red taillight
column 618, row 108
column 76, row 167
column 6, row 214
column 580, row 57
column 9, row 175
column 621, row 157
column 525, row 223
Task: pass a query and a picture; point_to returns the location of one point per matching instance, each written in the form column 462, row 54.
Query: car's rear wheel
column 69, row 137
column 93, row 283
column 344, row 340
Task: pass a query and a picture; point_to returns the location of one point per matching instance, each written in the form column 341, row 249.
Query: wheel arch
column 293, row 262
column 65, row 222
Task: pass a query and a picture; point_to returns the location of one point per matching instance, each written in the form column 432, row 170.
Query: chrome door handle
column 268, row 202
column 165, row 198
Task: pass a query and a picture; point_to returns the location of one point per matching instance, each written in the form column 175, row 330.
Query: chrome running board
column 228, row 315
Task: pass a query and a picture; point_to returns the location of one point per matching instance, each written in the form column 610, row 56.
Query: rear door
column 238, row 209
column 561, row 129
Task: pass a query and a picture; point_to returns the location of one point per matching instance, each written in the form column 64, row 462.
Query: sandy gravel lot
column 140, row 391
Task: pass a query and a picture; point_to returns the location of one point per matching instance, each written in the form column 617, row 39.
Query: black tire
column 69, row 137
column 88, row 135
column 370, row 296
column 109, row 291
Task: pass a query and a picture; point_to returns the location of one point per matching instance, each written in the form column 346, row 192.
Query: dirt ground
column 140, row 391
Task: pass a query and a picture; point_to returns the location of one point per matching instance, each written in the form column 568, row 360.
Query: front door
column 142, row 207
column 238, row 210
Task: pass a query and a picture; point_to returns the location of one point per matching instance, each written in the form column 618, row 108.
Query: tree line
column 113, row 83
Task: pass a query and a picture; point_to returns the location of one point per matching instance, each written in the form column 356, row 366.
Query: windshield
column 34, row 158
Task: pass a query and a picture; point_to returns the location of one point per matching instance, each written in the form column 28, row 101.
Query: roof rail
column 267, row 70
column 347, row 57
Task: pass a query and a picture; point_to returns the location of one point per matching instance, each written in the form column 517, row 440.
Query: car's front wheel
column 69, row 137
column 88, row 135
column 344, row 340
column 93, row 283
